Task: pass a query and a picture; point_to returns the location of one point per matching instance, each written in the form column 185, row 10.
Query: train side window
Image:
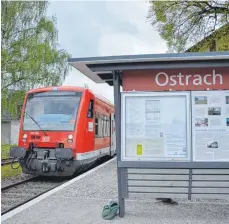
column 100, row 125
column 104, row 127
column 107, row 129
column 108, row 126
column 96, row 125
column 90, row 109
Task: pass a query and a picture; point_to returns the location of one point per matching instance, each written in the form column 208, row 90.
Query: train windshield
column 51, row 111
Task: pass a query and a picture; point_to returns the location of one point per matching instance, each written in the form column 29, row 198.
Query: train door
column 113, row 136
column 89, row 144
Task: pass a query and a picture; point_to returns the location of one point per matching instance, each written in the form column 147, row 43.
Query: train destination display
column 210, row 122
column 155, row 126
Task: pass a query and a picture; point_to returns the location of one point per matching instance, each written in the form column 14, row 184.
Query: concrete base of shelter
column 82, row 203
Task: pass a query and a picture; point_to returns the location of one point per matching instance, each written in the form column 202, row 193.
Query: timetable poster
column 155, row 127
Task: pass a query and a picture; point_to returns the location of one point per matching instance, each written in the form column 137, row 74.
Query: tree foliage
column 30, row 53
column 184, row 23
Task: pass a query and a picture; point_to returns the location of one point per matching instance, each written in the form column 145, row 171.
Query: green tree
column 30, row 53
column 183, row 23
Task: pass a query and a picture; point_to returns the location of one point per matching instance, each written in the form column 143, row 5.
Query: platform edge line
column 45, row 195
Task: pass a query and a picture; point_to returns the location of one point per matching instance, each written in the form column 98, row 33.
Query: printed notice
column 139, row 150
column 210, row 116
column 159, row 124
column 90, row 126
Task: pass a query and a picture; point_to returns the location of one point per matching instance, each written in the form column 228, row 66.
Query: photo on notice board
column 201, row 122
column 227, row 121
column 201, row 100
column 227, row 99
column 214, row 111
column 213, row 145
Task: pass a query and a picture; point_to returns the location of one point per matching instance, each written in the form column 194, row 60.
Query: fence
column 177, row 183
column 10, row 131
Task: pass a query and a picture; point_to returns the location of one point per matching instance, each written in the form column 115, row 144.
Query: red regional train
column 64, row 130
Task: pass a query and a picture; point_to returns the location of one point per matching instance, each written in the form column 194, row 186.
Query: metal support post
column 117, row 101
column 190, row 185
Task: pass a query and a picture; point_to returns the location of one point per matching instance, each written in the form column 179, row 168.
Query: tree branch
column 14, row 82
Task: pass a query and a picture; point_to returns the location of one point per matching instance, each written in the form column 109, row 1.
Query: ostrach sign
column 176, row 79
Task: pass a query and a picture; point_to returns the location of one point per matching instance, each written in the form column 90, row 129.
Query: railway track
column 24, row 191
column 17, row 194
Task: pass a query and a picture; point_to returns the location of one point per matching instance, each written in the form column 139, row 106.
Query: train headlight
column 70, row 137
column 24, row 138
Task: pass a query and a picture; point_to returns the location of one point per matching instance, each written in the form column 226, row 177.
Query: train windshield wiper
column 31, row 117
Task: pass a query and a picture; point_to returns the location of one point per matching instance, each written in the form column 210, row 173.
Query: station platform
column 81, row 200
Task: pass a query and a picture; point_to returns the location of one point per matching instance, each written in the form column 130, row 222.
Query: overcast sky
column 103, row 28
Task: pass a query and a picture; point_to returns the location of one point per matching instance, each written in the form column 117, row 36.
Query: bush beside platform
column 6, row 170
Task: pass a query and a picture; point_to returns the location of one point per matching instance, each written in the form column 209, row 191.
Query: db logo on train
column 46, row 138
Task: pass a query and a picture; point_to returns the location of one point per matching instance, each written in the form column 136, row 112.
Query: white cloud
column 116, row 43
column 147, row 39
column 76, row 78
column 126, row 44
column 102, row 29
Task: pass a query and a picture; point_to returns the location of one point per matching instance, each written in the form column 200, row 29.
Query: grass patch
column 5, row 151
column 7, row 171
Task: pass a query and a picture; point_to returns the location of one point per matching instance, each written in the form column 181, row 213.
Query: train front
column 46, row 143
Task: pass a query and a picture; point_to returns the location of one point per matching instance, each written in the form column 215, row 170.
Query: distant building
column 10, row 119
column 12, row 110
column 217, row 41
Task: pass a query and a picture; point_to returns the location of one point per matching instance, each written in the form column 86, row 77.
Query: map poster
column 210, row 125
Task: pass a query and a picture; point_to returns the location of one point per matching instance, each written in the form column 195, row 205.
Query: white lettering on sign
column 184, row 80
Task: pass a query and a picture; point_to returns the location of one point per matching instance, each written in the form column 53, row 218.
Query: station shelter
column 172, row 122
